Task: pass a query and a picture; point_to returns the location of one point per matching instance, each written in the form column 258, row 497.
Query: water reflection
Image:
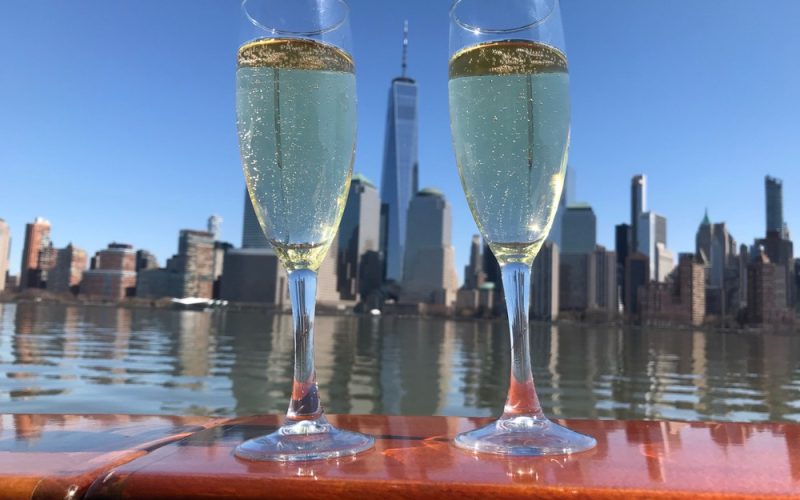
column 103, row 359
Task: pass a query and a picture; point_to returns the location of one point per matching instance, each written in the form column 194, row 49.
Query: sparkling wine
column 509, row 112
column 296, row 116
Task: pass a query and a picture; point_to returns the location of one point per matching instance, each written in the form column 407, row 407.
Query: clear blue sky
column 117, row 118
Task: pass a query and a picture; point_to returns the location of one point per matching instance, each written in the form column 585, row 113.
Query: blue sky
column 117, row 118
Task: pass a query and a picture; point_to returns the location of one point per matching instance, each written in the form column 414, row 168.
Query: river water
column 67, row 359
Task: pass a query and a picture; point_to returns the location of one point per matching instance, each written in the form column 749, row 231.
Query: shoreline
column 165, row 303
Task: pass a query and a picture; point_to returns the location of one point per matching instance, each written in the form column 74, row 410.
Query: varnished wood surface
column 60, row 456
column 414, row 458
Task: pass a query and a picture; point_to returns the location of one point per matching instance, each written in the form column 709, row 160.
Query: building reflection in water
column 194, row 342
column 59, row 358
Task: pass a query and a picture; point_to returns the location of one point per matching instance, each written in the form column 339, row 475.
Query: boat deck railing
column 126, row 456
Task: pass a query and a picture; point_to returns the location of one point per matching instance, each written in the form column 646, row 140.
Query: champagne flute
column 296, row 118
column 509, row 118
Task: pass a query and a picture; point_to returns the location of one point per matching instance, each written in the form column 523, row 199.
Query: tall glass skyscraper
column 638, row 207
column 774, row 196
column 399, row 179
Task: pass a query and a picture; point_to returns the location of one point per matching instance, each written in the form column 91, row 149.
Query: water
column 65, row 359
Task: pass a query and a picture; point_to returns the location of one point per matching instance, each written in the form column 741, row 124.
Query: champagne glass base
column 524, row 436
column 304, row 440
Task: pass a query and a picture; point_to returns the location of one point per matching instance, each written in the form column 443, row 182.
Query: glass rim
column 497, row 31
column 327, row 29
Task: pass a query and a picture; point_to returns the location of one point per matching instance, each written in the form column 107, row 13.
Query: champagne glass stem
column 305, row 404
column 522, row 399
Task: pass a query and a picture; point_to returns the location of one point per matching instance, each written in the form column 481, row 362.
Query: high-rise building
column 567, row 197
column 189, row 273
column 66, row 276
column 702, row 240
column 576, row 282
column 774, row 198
column 359, row 233
column 429, row 269
column 742, row 262
column 579, row 230
column 214, row 225
column 252, row 275
column 220, row 247
column 37, row 238
column 473, row 272
column 5, row 250
column 638, row 207
column 606, row 294
column 766, row 290
column 681, row 299
column 545, row 283
column 665, row 262
column 400, row 176
column 47, row 262
column 491, row 268
column 780, row 252
column 588, row 282
column 637, row 274
column 195, row 262
column 112, row 274
column 252, row 235
column 622, row 245
column 715, row 248
column 652, row 230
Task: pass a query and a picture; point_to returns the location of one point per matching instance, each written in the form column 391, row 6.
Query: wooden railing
column 122, row 456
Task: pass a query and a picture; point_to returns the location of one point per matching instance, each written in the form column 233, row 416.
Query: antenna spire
column 405, row 47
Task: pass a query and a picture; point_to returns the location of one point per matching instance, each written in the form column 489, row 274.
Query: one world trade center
column 399, row 179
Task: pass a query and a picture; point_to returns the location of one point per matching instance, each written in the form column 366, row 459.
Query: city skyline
column 696, row 149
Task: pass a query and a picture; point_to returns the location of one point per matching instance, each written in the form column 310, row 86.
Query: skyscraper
column 774, row 198
column 702, row 240
column 664, row 261
column 579, row 230
column 652, row 230
column 214, row 224
column 606, row 298
column 429, row 269
column 622, row 246
column 567, row 197
column 545, row 283
column 5, row 248
column 766, row 290
column 780, row 252
column 252, row 236
column 359, row 233
column 638, row 206
column 491, row 268
column 37, row 238
column 400, row 174
column 637, row 274
column 473, row 272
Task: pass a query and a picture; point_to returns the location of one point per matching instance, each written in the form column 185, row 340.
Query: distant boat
column 375, row 312
column 191, row 304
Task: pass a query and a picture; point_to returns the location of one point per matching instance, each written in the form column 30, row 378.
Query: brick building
column 681, row 299
column 112, row 274
column 66, row 275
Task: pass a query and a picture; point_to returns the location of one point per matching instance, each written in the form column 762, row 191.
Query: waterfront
column 91, row 359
